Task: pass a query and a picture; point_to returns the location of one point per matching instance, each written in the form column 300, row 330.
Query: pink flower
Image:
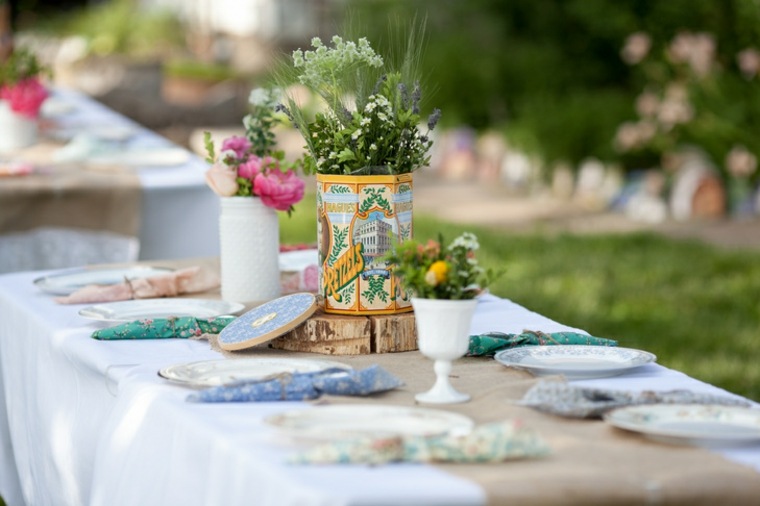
column 279, row 190
column 240, row 145
column 250, row 167
column 25, row 97
column 221, row 179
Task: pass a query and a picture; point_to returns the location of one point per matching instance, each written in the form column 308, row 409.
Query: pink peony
column 279, row 190
column 240, row 145
column 250, row 168
column 222, row 180
column 25, row 97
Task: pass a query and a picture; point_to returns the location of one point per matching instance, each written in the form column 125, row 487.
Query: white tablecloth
column 179, row 213
column 90, row 422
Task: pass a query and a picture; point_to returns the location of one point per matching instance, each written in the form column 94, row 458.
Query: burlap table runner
column 591, row 463
column 70, row 195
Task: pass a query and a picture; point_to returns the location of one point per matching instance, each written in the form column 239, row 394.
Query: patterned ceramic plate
column 703, row 425
column 325, row 423
column 68, row 281
column 212, row 373
column 130, row 310
column 575, row 361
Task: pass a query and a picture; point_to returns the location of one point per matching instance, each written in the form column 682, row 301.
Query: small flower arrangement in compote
column 249, row 166
column 370, row 123
column 20, row 83
column 435, row 271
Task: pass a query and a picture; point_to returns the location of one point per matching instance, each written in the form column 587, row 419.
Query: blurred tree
column 550, row 72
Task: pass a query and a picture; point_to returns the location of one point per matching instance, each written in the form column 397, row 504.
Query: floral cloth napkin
column 182, row 327
column 489, row 343
column 567, row 400
column 179, row 282
column 302, row 386
column 494, row 442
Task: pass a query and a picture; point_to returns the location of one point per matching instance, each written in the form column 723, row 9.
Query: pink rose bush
column 25, row 97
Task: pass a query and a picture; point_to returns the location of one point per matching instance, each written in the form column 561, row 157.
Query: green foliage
column 21, row 64
column 260, row 122
column 434, row 270
column 370, row 124
column 202, row 71
column 692, row 305
column 550, row 74
column 118, row 26
column 208, row 144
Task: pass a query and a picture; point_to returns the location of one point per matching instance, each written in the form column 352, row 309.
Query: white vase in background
column 16, row 130
column 249, row 250
column 443, row 334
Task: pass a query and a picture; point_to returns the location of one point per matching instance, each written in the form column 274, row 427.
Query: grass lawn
column 694, row 306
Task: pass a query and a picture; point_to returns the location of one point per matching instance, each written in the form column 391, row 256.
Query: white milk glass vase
column 443, row 334
column 249, row 236
column 16, row 130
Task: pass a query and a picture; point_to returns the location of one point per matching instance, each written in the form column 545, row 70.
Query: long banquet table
column 90, row 422
column 71, row 190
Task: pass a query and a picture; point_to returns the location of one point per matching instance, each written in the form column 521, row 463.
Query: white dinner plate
column 129, row 310
column 702, row 425
column 68, row 281
column 211, row 373
column 325, row 423
column 298, row 260
column 575, row 361
column 148, row 157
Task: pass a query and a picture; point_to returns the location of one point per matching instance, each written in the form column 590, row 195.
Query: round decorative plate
column 140, row 309
column 702, row 425
column 211, row 373
column 265, row 322
column 575, row 361
column 70, row 280
column 340, row 421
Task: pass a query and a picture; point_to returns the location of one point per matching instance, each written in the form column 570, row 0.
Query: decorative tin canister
column 359, row 218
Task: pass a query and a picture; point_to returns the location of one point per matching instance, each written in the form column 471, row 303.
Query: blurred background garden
column 643, row 108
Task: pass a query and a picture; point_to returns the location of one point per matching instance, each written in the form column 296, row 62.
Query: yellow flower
column 437, row 272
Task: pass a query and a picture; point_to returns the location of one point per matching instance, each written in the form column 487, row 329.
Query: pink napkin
column 15, row 169
column 179, row 282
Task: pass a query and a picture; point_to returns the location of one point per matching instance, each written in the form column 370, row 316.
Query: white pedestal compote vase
column 443, row 334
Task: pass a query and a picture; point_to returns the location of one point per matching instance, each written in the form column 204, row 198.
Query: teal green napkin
column 489, row 343
column 182, row 327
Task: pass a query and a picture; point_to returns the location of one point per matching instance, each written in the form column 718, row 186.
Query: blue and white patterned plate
column 270, row 320
column 575, row 361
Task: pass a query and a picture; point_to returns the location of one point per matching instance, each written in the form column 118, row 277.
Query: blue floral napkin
column 302, row 386
column 494, row 442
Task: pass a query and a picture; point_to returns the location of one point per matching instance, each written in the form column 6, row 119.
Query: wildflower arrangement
column 20, row 83
column 370, row 123
column 432, row 271
column 249, row 166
